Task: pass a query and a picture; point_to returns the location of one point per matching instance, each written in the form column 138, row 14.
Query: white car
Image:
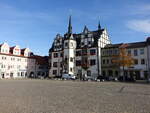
column 68, row 77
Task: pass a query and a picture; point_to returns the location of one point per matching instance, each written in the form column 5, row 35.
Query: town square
column 50, row 96
column 74, row 56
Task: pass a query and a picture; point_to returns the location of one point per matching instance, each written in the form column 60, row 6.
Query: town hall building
column 78, row 54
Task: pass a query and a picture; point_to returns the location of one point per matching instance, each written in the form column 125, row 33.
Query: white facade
column 69, row 56
column 15, row 62
column 78, row 54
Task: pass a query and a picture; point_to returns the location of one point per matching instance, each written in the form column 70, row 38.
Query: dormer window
column 4, row 48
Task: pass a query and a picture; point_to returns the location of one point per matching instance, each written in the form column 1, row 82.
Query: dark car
column 101, row 78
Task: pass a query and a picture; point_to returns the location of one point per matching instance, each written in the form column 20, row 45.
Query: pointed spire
column 99, row 26
column 70, row 26
column 85, row 29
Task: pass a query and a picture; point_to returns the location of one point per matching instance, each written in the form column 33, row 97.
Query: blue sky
column 35, row 23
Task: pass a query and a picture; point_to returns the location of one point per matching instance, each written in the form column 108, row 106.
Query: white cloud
column 139, row 25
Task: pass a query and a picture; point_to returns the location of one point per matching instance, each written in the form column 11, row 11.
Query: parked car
column 90, row 78
column 101, row 78
column 127, row 79
column 111, row 78
column 68, row 77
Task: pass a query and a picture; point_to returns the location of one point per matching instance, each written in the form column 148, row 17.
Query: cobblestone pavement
column 47, row 96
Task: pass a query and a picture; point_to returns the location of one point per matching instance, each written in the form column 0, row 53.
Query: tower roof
column 70, row 26
column 148, row 40
column 99, row 26
column 85, row 29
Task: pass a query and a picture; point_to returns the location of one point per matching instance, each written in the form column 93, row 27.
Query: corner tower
column 69, row 51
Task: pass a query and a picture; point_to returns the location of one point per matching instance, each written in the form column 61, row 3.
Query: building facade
column 139, row 51
column 41, row 67
column 78, row 54
column 15, row 62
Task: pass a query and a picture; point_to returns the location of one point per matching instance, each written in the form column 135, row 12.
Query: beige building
column 139, row 51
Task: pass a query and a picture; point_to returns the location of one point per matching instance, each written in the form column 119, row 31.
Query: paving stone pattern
column 51, row 96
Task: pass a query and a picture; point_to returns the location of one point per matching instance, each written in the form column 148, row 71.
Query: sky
column 35, row 23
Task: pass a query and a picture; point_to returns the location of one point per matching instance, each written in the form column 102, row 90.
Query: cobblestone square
column 48, row 96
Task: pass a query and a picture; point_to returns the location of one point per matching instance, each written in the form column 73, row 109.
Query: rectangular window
column 66, row 44
column 61, row 71
column 115, row 52
column 129, row 52
column 142, row 51
column 92, row 62
column 71, row 44
column 61, row 54
column 135, row 52
column 54, row 72
column 61, row 64
column 82, row 43
column 142, row 61
column 78, row 63
column 78, row 53
column 88, row 73
column 55, row 55
column 104, row 61
column 71, row 69
column 22, row 73
column 4, row 58
column 107, row 61
column 71, row 59
column 92, row 52
column 84, row 52
column 135, row 61
column 55, row 64
column 110, row 52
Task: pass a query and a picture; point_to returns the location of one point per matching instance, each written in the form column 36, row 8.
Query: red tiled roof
column 42, row 60
column 14, row 55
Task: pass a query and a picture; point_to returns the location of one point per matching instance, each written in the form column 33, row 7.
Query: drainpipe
column 0, row 70
column 148, row 62
column 98, row 61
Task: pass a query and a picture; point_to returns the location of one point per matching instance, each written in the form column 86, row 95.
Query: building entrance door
column 137, row 74
column 80, row 74
column 11, row 75
column 3, row 75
